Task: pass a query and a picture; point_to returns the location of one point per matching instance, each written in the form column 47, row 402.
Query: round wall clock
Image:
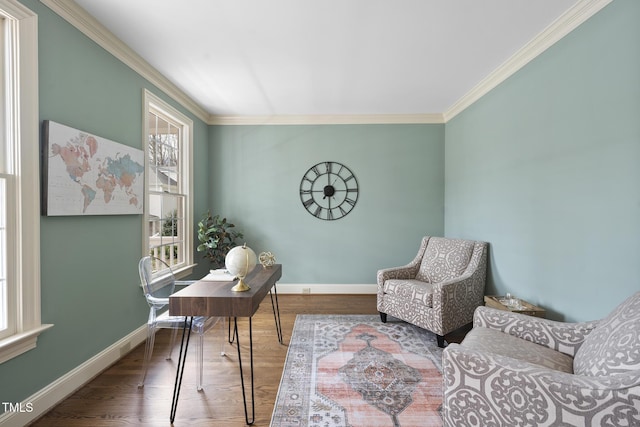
column 329, row 190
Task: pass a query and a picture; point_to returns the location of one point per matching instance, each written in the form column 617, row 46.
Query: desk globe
column 239, row 262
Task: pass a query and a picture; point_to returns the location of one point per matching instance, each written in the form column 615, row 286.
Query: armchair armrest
column 405, row 272
column 498, row 390
column 560, row 336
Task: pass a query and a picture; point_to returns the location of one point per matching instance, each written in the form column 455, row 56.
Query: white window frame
column 152, row 102
column 22, row 131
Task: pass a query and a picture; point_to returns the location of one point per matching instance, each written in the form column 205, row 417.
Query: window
column 169, row 206
column 19, row 187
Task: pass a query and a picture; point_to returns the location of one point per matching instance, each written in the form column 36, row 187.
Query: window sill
column 17, row 344
column 183, row 272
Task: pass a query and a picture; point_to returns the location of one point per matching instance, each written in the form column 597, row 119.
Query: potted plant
column 217, row 237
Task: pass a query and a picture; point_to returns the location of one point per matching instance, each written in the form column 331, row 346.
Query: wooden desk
column 204, row 298
column 207, row 298
column 527, row 308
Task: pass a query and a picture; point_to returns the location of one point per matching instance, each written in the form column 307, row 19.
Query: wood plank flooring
column 113, row 398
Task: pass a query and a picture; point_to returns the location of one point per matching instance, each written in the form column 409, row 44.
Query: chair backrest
column 613, row 347
column 156, row 285
column 445, row 259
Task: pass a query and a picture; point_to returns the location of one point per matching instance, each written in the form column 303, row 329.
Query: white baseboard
column 317, row 288
column 45, row 399
column 42, row 401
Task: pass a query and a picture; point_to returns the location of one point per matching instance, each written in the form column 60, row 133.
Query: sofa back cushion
column 445, row 259
column 614, row 345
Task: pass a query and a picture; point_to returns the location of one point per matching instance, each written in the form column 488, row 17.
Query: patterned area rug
column 354, row 370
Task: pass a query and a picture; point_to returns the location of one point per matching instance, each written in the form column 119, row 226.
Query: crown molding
column 562, row 26
column 571, row 19
column 339, row 119
column 89, row 26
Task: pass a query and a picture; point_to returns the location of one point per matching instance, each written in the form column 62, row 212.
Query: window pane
column 168, row 183
column 166, row 227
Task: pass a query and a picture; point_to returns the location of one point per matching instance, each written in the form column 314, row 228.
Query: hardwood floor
column 113, row 398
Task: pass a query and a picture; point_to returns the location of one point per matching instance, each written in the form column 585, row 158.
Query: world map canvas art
column 87, row 175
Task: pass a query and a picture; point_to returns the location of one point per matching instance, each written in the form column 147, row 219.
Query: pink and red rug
column 354, row 370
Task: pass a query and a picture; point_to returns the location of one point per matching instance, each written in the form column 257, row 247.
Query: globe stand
column 241, row 286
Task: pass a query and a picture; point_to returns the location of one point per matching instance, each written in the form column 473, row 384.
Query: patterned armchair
column 513, row 369
column 440, row 289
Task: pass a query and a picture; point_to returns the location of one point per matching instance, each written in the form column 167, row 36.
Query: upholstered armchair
column 440, row 289
column 517, row 370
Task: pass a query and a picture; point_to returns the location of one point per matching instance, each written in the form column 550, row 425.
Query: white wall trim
column 83, row 21
column 318, row 288
column 562, row 26
column 327, row 119
column 45, row 399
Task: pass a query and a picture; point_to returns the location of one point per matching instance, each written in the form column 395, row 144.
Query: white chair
column 158, row 282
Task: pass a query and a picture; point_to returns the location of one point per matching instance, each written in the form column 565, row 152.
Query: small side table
column 527, row 308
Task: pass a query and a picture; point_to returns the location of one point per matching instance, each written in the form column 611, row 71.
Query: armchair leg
column 383, row 317
column 440, row 340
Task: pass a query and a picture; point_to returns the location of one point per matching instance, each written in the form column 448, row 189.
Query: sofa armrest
column 490, row 389
column 560, row 336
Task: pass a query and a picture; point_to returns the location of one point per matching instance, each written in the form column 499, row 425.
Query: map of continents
column 88, row 175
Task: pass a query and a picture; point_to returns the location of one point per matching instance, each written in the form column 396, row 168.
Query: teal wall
column 546, row 167
column 90, row 285
column 255, row 179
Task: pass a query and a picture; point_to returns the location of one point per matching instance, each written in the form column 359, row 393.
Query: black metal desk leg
column 244, row 395
column 181, row 361
column 276, row 309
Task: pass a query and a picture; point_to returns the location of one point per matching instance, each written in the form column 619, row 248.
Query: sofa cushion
column 614, row 345
column 410, row 292
column 494, row 341
column 445, row 259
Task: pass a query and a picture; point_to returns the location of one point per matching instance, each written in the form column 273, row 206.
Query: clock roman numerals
column 329, row 166
column 329, row 190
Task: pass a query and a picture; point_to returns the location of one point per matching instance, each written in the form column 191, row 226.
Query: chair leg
column 383, row 317
column 174, row 333
column 440, row 340
column 222, row 323
column 148, row 350
column 199, row 362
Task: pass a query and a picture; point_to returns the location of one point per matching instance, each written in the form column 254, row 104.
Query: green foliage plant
column 217, row 237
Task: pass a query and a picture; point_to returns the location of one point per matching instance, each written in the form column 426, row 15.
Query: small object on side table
column 523, row 307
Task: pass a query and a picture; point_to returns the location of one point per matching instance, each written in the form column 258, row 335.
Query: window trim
column 151, row 101
column 25, row 121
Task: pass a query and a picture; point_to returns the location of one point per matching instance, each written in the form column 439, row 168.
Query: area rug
column 354, row 370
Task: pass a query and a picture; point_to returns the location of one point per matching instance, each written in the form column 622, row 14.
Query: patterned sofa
column 440, row 289
column 516, row 370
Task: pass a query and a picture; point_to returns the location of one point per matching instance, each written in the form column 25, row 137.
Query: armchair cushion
column 410, row 291
column 614, row 346
column 560, row 336
column 445, row 259
column 499, row 343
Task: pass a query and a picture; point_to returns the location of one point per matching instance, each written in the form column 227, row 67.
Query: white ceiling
column 326, row 57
